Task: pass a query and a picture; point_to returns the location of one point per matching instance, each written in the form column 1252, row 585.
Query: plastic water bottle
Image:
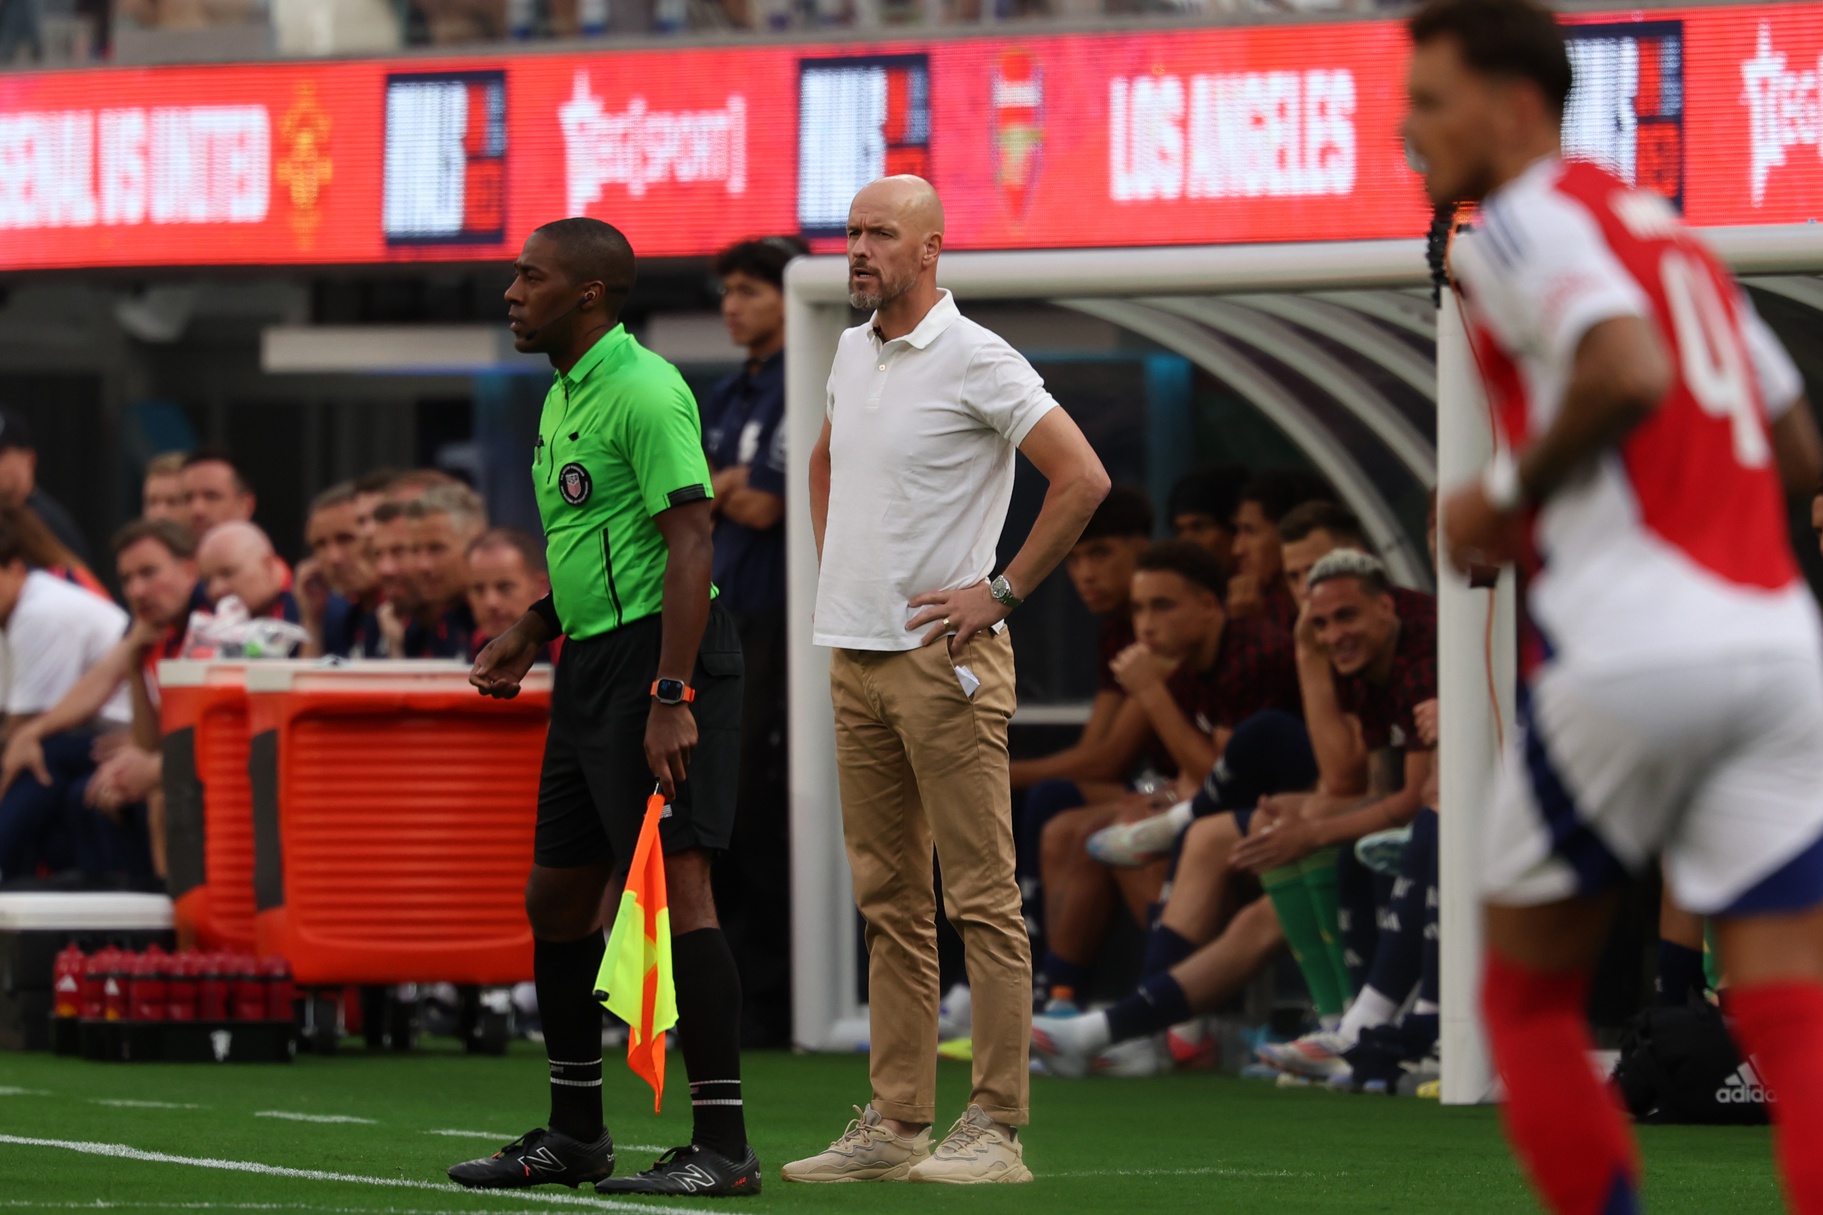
column 592, row 16
column 249, row 999
column 116, row 980
column 93, row 998
column 148, row 996
column 211, row 989
column 281, row 992
column 66, row 982
column 180, row 988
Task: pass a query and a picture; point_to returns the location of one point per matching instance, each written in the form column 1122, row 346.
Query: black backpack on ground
column 1678, row 1065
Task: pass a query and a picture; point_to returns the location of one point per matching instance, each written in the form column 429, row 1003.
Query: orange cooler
column 208, row 806
column 393, row 814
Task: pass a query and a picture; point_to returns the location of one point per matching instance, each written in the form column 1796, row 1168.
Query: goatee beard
column 882, row 295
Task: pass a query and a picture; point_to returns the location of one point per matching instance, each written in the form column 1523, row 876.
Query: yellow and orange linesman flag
column 635, row 980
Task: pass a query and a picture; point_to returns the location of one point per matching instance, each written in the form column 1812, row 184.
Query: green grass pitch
column 1186, row 1143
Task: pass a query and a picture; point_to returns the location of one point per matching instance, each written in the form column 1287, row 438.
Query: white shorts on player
column 1715, row 764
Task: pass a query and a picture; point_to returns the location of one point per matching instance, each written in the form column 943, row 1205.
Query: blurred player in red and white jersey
column 1577, row 285
column 1672, row 697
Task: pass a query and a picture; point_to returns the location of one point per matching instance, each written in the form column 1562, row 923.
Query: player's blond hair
column 1366, row 568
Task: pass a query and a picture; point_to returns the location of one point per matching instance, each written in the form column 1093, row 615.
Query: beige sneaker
column 975, row 1152
column 868, row 1150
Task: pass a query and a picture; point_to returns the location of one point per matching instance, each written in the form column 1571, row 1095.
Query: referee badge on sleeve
column 574, row 484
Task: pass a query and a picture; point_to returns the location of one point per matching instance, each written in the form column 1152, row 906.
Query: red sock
column 1780, row 1027
column 1560, row 1119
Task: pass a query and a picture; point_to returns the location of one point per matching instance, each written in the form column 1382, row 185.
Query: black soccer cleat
column 693, row 1171
column 539, row 1157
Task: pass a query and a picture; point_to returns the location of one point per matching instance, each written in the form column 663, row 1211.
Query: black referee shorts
column 592, row 793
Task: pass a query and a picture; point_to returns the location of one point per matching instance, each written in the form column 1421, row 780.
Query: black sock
column 565, row 973
column 1068, row 980
column 709, row 1030
column 1360, row 893
column 1158, row 1004
column 1165, row 948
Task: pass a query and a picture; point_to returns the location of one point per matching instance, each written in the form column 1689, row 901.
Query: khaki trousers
column 921, row 762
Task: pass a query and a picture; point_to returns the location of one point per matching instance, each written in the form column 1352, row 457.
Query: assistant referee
column 649, row 685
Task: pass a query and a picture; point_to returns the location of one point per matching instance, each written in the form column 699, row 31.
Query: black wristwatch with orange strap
column 672, row 692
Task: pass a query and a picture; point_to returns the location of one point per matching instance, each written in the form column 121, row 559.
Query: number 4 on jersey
column 1715, row 366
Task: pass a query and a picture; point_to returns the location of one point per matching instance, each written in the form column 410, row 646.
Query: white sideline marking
column 104, row 1204
column 8, row 1090
column 127, row 1103
column 288, row 1116
column 474, row 1135
column 1212, row 1171
column 121, row 1151
column 618, row 1147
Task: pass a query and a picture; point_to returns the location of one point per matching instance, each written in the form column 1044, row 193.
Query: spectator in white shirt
column 121, row 832
column 55, row 631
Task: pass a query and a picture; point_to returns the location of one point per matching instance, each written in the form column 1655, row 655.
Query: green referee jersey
column 619, row 441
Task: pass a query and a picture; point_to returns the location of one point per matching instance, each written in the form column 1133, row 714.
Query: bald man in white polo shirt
column 909, row 485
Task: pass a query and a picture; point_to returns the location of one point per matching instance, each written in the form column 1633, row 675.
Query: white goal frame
column 827, row 1016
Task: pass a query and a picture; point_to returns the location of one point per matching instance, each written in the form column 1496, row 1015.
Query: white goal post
column 827, row 1014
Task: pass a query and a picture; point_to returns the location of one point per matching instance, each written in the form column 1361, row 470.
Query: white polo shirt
column 922, row 431
column 56, row 633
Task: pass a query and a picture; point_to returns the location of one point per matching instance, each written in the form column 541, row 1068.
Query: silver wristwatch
column 1002, row 591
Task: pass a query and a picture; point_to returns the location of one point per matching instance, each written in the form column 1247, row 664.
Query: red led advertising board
column 1281, row 133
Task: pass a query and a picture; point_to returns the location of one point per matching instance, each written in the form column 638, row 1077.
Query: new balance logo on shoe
column 1744, row 1087
column 541, row 1161
column 693, row 1178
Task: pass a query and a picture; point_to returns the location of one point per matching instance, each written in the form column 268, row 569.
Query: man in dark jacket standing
column 744, row 438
